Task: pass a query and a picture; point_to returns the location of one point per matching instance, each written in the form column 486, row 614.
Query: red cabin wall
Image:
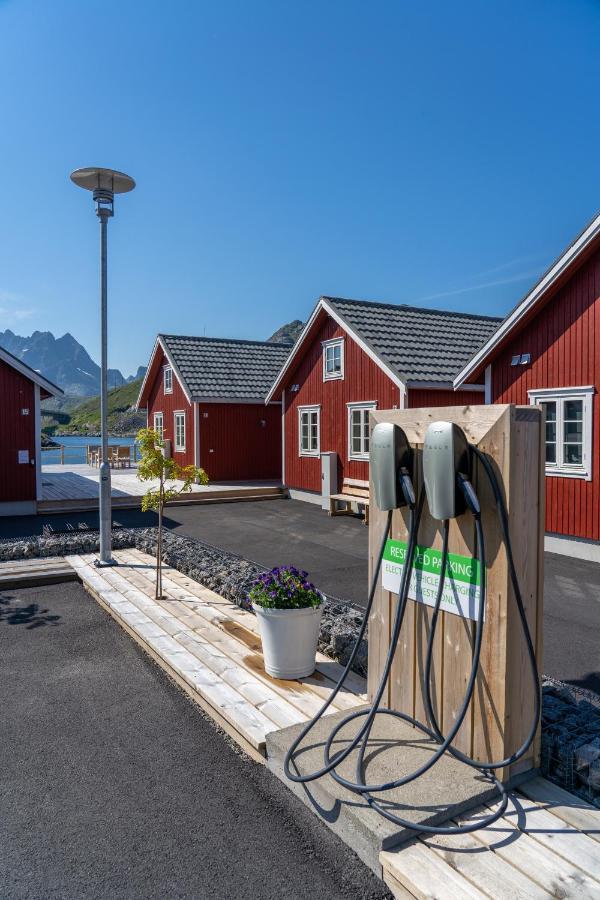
column 363, row 380
column 419, row 398
column 564, row 342
column 17, row 480
column 168, row 404
column 243, row 449
column 234, row 444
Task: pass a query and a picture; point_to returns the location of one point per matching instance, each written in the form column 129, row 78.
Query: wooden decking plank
column 426, row 875
column 537, row 862
column 551, row 831
column 308, row 694
column 328, row 668
column 296, row 702
column 488, row 871
column 228, row 702
column 278, row 709
column 571, row 809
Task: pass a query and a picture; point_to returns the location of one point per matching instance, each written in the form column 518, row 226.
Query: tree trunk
column 159, row 545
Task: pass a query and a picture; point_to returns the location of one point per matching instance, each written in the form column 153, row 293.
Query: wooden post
column 502, row 705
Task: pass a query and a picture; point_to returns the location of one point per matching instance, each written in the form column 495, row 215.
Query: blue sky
column 438, row 154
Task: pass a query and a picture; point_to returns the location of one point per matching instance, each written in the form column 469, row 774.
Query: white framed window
column 179, row 430
column 309, row 430
column 333, row 359
column 568, row 437
column 168, row 380
column 358, row 429
column 158, row 424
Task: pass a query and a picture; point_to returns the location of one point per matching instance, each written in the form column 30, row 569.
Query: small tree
column 153, row 466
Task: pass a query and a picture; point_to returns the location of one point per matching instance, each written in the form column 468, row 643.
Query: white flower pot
column 289, row 640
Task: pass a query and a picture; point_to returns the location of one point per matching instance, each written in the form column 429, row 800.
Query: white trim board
column 305, row 496
column 38, row 441
column 547, row 281
column 576, row 548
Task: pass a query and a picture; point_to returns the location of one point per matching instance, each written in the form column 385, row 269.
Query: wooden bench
column 353, row 491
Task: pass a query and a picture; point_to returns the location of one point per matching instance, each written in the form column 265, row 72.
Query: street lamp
column 104, row 183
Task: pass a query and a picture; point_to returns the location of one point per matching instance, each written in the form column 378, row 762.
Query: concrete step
column 447, row 790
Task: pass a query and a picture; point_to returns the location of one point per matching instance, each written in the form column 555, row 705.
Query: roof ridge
column 410, row 307
column 225, row 340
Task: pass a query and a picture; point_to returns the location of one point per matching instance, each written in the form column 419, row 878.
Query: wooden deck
column 76, row 487
column 32, row 572
column 547, row 845
column 211, row 648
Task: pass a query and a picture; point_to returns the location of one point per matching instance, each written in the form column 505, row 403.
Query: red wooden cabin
column 547, row 352
column 205, row 396
column 21, row 391
column 353, row 356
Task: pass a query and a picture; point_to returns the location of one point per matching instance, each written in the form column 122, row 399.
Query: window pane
column 573, row 455
column 550, row 408
column 573, row 410
column 356, row 448
column 573, row 431
column 551, row 453
column 551, row 431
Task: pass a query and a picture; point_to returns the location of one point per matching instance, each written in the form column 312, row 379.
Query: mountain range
column 64, row 361
column 67, row 363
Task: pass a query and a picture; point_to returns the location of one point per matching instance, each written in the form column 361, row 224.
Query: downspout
column 197, row 435
column 488, row 384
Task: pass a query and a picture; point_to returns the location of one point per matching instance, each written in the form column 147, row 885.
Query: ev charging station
column 500, row 712
column 454, row 617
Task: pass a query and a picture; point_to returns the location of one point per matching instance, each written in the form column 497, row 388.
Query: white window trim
column 162, row 423
column 337, row 376
column 179, row 412
column 537, row 395
column 367, row 404
column 309, row 409
column 165, row 370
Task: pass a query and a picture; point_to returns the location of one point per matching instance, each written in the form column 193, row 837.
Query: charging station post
column 499, row 715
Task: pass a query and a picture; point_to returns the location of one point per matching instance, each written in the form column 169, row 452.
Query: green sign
column 461, row 585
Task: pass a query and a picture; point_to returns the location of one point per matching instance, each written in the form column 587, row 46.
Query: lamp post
column 104, row 183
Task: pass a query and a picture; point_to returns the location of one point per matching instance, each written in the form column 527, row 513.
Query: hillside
column 63, row 361
column 85, row 417
column 287, row 334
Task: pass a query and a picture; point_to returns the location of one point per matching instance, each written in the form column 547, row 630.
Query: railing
column 84, row 454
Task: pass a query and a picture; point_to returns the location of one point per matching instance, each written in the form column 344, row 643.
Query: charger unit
column 389, row 454
column 446, row 455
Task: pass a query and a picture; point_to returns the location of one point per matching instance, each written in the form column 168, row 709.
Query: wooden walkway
column 546, row 846
column 212, row 649
column 76, row 487
column 32, row 572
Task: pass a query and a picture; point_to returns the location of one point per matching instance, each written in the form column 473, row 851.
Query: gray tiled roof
column 417, row 344
column 225, row 368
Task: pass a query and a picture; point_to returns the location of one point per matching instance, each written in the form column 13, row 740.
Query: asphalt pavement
column 114, row 785
column 334, row 551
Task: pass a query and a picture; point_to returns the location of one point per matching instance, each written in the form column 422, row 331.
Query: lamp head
column 104, row 183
